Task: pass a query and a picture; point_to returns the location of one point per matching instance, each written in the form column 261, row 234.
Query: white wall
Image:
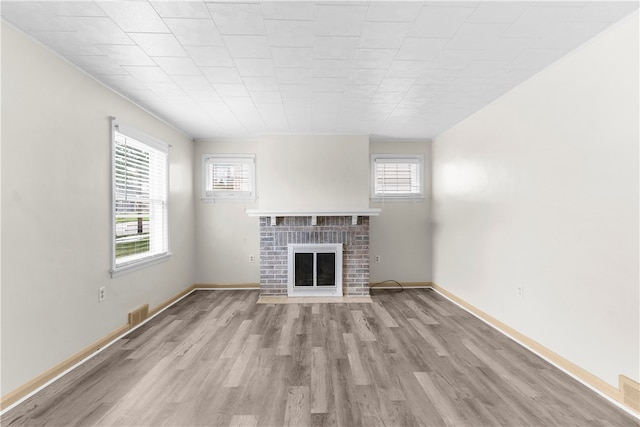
column 540, row 190
column 56, row 220
column 292, row 173
column 320, row 172
column 306, row 173
column 401, row 235
column 226, row 236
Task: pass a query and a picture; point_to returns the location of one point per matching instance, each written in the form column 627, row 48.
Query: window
column 140, row 196
column 397, row 176
column 228, row 177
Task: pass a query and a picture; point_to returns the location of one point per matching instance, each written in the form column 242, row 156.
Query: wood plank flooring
column 409, row 358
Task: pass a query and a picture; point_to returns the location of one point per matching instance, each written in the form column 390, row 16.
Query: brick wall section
column 334, row 229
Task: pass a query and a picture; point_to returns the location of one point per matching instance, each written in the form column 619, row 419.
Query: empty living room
column 320, row 213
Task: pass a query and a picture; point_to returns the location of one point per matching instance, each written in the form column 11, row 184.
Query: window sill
column 398, row 199
column 228, row 199
column 140, row 264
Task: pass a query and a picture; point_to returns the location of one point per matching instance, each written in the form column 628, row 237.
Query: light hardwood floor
column 409, row 358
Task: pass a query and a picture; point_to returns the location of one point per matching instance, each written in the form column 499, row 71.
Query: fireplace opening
column 315, row 269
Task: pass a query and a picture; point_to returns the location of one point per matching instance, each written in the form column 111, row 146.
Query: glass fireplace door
column 315, row 269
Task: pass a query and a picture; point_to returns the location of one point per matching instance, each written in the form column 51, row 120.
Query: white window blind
column 394, row 176
column 140, row 198
column 229, row 177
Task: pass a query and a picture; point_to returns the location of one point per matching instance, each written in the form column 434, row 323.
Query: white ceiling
column 392, row 70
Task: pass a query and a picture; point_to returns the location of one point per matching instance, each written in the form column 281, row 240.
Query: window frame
column 399, row 197
column 141, row 260
column 228, row 196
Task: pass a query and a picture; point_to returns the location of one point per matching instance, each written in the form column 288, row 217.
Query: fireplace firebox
column 315, row 269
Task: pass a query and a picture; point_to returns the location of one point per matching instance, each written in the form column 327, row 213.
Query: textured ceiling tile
column 148, row 74
column 181, row 9
column 434, row 76
column 221, row 74
column 335, row 47
column 122, row 82
column 97, row 65
column 569, row 35
column 72, row 8
column 420, row 48
column 535, row 58
column 192, row 83
column 604, row 11
column 66, row 43
column 476, row 36
column 231, row 90
column 247, row 46
column 334, row 20
column 539, row 20
column 326, row 97
column 261, row 84
column 360, row 91
column 374, row 58
column 295, row 90
column 204, row 97
column 393, row 11
column 158, row 44
column 194, row 32
column 255, row 67
column 482, row 69
column 288, row 10
column 403, row 68
column 210, row 56
column 457, row 56
column 366, row 76
column 292, row 57
column 178, row 66
column 290, row 33
column 383, row 34
column 166, row 89
column 498, row 12
column 294, row 76
column 33, row 16
column 439, row 22
column 396, row 84
column 238, row 18
column 134, row 16
column 274, row 117
column 266, row 97
column 331, row 68
column 327, row 84
column 387, row 97
column 127, row 55
column 98, row 30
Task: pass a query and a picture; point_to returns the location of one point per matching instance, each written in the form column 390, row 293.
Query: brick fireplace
column 278, row 231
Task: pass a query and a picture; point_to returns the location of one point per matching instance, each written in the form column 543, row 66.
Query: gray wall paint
column 56, row 220
column 540, row 190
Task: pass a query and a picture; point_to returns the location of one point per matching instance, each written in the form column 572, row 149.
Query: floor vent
column 630, row 393
column 138, row 315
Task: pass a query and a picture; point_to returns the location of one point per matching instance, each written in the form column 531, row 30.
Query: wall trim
column 71, row 362
column 629, row 392
column 227, row 286
column 627, row 396
column 602, row 387
column 392, row 284
column 50, row 374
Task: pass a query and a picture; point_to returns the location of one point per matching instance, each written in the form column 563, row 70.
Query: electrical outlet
column 102, row 294
column 376, row 258
column 252, row 258
column 520, row 290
